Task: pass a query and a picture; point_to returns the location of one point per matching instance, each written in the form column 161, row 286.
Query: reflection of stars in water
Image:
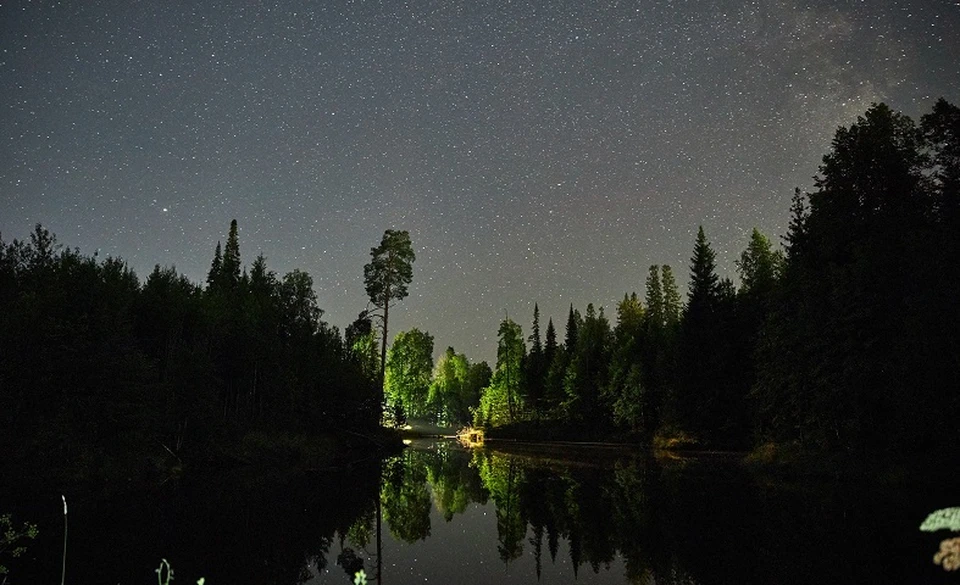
column 542, row 152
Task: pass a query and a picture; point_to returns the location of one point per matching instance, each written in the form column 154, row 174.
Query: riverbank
column 790, row 462
column 322, row 451
column 104, row 476
column 559, row 431
column 786, row 461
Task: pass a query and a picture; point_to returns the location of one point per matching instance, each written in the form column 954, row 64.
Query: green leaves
column 407, row 376
column 942, row 519
column 12, row 538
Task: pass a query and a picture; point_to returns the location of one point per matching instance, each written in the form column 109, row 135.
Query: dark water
column 454, row 516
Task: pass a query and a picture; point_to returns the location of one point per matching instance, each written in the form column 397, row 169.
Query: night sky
column 536, row 151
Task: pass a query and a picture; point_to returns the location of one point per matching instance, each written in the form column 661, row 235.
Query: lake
column 450, row 515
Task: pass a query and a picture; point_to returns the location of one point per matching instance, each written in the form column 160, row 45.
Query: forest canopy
column 102, row 374
column 846, row 339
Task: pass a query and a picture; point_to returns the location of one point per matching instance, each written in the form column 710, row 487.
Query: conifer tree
column 535, row 366
column 536, row 347
column 555, row 364
column 585, row 376
column 630, row 316
column 654, row 298
column 704, row 289
column 698, row 395
column 231, row 258
column 216, row 268
column 795, row 240
column 671, row 298
column 759, row 265
column 550, row 345
column 573, row 324
column 500, row 402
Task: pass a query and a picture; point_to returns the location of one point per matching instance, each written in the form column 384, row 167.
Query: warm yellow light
column 470, row 437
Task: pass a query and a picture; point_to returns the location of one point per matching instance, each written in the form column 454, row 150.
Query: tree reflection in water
column 451, row 515
column 637, row 519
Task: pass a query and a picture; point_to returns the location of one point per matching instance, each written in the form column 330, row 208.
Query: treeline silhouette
column 848, row 339
column 102, row 376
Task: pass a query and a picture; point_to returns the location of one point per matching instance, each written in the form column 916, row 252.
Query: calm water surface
column 455, row 516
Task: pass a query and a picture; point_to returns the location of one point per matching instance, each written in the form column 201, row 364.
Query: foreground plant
column 948, row 556
column 12, row 539
column 165, row 574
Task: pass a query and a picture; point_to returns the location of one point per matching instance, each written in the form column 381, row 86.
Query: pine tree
column 387, row 277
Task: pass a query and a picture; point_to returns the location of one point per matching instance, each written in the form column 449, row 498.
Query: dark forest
column 843, row 341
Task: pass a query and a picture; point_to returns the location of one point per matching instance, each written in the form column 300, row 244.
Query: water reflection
column 455, row 516
column 624, row 517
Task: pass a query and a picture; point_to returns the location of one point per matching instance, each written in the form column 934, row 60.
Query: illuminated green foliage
column 624, row 393
column 943, row 519
column 501, row 402
column 503, row 477
column 449, row 397
column 405, row 497
column 759, row 265
column 409, row 366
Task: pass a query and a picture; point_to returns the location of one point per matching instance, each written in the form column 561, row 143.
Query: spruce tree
column 536, row 347
column 796, row 239
column 550, row 345
column 573, row 323
column 671, row 298
column 216, row 268
column 231, row 258
column 534, row 367
column 698, row 398
column 654, row 298
column 704, row 289
column 759, row 265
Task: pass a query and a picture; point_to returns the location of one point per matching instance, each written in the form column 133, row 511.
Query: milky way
column 537, row 152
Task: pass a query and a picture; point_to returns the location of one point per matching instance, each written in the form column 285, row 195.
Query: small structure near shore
column 470, row 437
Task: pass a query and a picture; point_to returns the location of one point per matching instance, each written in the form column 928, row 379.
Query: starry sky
column 536, row 151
